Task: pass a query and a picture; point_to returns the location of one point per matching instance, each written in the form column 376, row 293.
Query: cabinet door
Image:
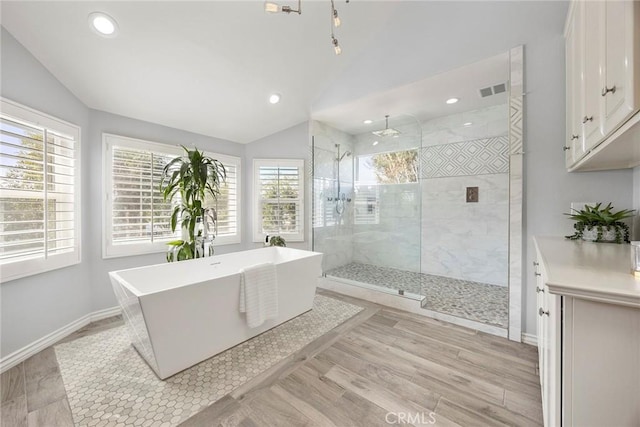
column 619, row 89
column 541, row 327
column 551, row 387
column 592, row 78
column 574, row 144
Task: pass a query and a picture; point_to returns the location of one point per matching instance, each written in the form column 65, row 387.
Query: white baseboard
column 29, row 350
column 105, row 314
column 530, row 339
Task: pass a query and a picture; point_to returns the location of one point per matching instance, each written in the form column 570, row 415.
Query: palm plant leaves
column 188, row 180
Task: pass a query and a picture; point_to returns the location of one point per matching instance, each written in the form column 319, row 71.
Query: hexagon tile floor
column 108, row 383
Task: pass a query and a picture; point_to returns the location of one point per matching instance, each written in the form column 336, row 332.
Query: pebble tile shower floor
column 481, row 302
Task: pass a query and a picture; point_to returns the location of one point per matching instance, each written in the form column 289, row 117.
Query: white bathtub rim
column 137, row 292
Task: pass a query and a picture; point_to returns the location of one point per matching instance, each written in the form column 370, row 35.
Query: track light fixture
column 336, row 46
column 334, row 15
column 272, row 7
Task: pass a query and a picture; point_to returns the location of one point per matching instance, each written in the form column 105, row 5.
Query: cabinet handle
column 606, row 90
column 565, row 148
column 538, row 274
column 536, row 263
column 575, row 137
column 587, row 119
column 541, row 312
column 538, row 290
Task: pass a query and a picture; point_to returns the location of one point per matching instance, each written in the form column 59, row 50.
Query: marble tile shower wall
column 463, row 240
column 332, row 232
column 394, row 241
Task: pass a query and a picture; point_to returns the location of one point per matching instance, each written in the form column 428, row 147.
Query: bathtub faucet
column 210, row 229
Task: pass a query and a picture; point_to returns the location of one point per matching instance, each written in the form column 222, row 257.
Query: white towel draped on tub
column 259, row 293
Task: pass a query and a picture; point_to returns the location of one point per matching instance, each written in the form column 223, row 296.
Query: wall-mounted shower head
column 346, row 153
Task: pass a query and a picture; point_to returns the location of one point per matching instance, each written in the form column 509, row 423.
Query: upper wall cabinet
column 603, row 85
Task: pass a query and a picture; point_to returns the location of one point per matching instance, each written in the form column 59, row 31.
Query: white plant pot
column 590, row 234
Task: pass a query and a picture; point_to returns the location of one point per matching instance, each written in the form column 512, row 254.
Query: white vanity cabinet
column 588, row 333
column 620, row 63
column 548, row 314
column 575, row 144
column 603, row 84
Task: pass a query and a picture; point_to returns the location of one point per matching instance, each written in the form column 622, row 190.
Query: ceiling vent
column 493, row 90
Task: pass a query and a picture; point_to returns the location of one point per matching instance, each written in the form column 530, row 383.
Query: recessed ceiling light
column 467, row 124
column 274, row 98
column 368, row 122
column 375, row 142
column 452, row 100
column 103, row 24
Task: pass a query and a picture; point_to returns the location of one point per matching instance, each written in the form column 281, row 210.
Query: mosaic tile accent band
column 108, row 383
column 476, row 157
column 481, row 302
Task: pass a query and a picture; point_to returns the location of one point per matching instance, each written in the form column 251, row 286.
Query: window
column 366, row 209
column 279, row 201
column 137, row 219
column 324, row 210
column 374, row 170
column 39, row 192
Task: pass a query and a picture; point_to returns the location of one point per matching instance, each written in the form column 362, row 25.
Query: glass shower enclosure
column 367, row 204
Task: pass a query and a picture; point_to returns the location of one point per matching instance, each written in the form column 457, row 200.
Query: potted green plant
column 186, row 181
column 598, row 224
column 277, row 241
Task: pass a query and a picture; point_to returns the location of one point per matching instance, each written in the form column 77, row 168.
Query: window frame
column 258, row 236
column 21, row 268
column 110, row 250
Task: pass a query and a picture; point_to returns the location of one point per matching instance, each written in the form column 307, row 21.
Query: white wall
column 291, row 143
column 34, row 306
column 101, row 293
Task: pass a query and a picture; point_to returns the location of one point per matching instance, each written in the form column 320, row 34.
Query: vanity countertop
column 588, row 270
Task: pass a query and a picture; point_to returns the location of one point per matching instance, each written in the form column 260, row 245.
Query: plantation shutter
column 366, row 204
column 324, row 210
column 137, row 219
column 227, row 204
column 280, row 188
column 38, row 192
column 139, row 213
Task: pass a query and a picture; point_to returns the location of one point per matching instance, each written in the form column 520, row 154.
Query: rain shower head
column 387, row 131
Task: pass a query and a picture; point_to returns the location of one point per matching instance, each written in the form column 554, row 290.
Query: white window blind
column 324, row 210
column 366, row 204
column 137, row 219
column 227, row 205
column 39, row 185
column 139, row 212
column 279, row 197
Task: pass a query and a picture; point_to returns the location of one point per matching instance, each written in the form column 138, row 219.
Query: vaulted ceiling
column 210, row 66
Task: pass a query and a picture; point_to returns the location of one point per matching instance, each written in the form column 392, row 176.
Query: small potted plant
column 186, row 182
column 598, row 224
column 277, row 241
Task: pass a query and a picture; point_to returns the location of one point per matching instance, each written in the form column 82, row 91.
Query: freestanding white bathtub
column 179, row 314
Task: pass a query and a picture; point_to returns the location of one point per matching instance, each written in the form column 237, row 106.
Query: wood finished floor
column 380, row 361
